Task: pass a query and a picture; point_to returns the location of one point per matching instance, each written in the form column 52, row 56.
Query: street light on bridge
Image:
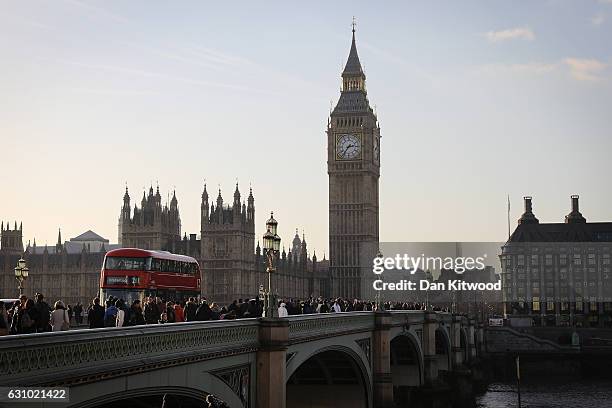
column 380, row 306
column 271, row 247
column 21, row 274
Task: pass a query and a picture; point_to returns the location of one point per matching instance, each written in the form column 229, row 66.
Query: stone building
column 559, row 273
column 232, row 267
column 353, row 166
column 68, row 271
column 228, row 242
column 152, row 226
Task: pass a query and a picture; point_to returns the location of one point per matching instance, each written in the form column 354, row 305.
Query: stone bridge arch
column 443, row 349
column 329, row 374
column 407, row 365
column 147, row 396
column 195, row 384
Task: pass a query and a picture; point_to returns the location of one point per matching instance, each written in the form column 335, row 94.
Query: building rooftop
column 574, row 229
column 89, row 236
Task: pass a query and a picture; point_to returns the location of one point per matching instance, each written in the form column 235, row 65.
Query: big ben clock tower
column 353, row 166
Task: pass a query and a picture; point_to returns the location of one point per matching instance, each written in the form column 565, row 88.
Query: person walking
column 110, row 315
column 78, row 313
column 4, row 325
column 43, row 314
column 59, row 317
column 95, row 315
column 336, row 307
column 136, row 316
column 70, row 314
column 120, row 316
column 190, row 310
column 170, row 315
column 282, row 310
column 178, row 313
column 151, row 314
column 204, row 313
column 28, row 318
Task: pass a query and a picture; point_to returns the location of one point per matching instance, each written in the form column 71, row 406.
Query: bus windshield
column 128, row 264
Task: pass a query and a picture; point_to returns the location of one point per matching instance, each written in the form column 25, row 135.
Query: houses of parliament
column 231, row 260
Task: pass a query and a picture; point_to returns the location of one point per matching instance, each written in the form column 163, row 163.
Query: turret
column 237, row 197
column 59, row 245
column 174, row 202
column 303, row 250
column 205, row 206
column 236, row 206
column 251, row 207
column 11, row 241
column 220, row 208
column 126, row 209
column 528, row 217
column 575, row 217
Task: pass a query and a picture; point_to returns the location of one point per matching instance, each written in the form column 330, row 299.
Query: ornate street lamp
column 380, row 306
column 21, row 274
column 271, row 246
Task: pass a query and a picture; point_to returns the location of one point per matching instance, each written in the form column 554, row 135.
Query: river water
column 553, row 394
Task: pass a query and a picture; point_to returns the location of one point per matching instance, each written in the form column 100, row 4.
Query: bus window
column 125, row 264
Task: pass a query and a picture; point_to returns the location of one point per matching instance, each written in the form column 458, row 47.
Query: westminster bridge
column 355, row 359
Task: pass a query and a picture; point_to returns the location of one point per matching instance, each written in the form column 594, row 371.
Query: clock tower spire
column 353, row 166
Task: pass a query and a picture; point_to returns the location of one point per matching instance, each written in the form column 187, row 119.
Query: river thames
column 554, row 394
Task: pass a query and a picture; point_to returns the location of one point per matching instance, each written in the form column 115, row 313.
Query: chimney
column 575, row 217
column 528, row 207
column 528, row 217
column 575, row 202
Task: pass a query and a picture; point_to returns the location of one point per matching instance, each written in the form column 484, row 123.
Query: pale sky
column 476, row 100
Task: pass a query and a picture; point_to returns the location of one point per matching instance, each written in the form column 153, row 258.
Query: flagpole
column 508, row 217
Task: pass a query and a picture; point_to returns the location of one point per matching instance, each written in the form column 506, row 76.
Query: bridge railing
column 86, row 355
column 307, row 327
column 403, row 317
column 48, row 357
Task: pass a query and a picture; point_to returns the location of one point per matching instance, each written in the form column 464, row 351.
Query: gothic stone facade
column 152, row 226
column 353, row 163
column 232, row 267
column 59, row 272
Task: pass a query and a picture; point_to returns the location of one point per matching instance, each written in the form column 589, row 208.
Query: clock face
column 348, row 147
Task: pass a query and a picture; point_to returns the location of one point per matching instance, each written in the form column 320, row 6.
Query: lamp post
column 380, row 307
column 21, row 273
column 271, row 246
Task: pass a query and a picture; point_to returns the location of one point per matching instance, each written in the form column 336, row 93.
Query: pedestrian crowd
column 36, row 315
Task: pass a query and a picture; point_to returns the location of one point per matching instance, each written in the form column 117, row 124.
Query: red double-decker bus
column 131, row 273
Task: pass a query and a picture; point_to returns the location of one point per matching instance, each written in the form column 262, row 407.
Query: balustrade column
column 383, row 382
column 271, row 362
column 430, row 360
